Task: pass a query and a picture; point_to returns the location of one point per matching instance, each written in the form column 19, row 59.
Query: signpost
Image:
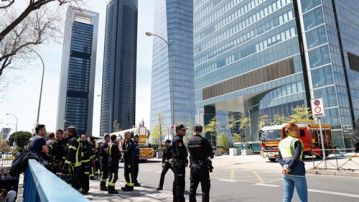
column 318, row 112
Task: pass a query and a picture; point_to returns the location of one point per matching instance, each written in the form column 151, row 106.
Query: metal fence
column 338, row 159
column 42, row 185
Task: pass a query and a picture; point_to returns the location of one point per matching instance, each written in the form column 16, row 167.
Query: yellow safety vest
column 287, row 149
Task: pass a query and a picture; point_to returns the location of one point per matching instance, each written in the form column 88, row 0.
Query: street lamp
column 13, row 115
column 42, row 83
column 170, row 77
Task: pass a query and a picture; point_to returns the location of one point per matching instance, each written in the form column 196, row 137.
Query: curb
column 334, row 172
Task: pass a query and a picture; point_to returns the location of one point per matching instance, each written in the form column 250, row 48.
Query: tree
column 244, row 122
column 279, row 119
column 21, row 138
column 116, row 126
column 262, row 121
column 301, row 114
column 236, row 137
column 21, row 30
column 223, row 141
column 157, row 131
column 232, row 122
column 211, row 128
column 4, row 147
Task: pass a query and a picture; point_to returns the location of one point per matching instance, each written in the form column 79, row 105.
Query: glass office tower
column 172, row 68
column 265, row 57
column 77, row 81
column 118, row 100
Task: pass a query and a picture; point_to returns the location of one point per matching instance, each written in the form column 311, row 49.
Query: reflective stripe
column 110, row 183
column 72, row 147
column 86, row 161
column 87, row 173
column 130, row 184
column 78, row 163
column 68, row 162
column 101, row 178
column 110, row 149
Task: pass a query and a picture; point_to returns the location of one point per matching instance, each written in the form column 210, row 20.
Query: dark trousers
column 104, row 174
column 166, row 167
column 129, row 174
column 113, row 177
column 179, row 182
column 75, row 181
column 84, row 177
column 135, row 169
column 199, row 174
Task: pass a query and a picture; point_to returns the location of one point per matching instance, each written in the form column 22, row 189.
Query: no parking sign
column 317, row 107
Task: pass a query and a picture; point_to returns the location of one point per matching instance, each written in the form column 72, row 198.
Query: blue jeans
column 300, row 183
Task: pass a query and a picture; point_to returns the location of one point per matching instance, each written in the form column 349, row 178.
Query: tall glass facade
column 118, row 101
column 173, row 22
column 78, row 71
column 265, row 57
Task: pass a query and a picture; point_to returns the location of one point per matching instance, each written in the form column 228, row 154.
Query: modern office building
column 265, row 57
column 77, row 79
column 118, row 101
column 172, row 89
column 5, row 133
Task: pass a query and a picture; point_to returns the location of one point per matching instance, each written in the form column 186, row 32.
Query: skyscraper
column 77, row 80
column 118, row 101
column 263, row 58
column 172, row 67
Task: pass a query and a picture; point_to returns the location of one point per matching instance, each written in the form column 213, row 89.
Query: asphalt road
column 231, row 182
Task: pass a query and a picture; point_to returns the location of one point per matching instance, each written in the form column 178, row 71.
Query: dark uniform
column 180, row 160
column 86, row 161
column 113, row 161
column 103, row 166
column 58, row 156
column 200, row 150
column 95, row 165
column 136, row 164
column 129, row 159
column 167, row 155
column 73, row 161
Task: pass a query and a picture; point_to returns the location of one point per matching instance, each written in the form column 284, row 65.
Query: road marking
column 232, row 177
column 259, row 178
column 267, row 185
column 227, row 180
column 333, row 193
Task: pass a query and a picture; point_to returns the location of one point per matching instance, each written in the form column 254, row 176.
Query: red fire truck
column 308, row 133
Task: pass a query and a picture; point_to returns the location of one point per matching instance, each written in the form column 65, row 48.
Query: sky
column 21, row 96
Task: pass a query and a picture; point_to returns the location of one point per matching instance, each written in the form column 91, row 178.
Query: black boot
column 137, row 184
column 112, row 190
column 127, row 188
column 103, row 186
column 159, row 188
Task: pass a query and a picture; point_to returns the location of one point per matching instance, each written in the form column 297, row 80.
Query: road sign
column 317, row 107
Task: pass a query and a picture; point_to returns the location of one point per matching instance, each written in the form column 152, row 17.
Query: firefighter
column 95, row 158
column 137, row 160
column 180, row 162
column 58, row 152
column 200, row 150
column 113, row 161
column 73, row 158
column 167, row 155
column 129, row 158
column 104, row 162
column 86, row 161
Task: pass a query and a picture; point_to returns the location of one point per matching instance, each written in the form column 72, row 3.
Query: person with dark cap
column 73, row 158
column 136, row 163
column 200, row 151
column 129, row 158
column 180, row 162
column 86, row 161
column 166, row 157
column 39, row 149
column 104, row 162
column 113, row 161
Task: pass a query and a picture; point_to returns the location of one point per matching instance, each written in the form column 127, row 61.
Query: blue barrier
column 42, row 185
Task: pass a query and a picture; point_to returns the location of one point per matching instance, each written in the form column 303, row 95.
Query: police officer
column 137, row 160
column 73, row 158
column 104, row 162
column 166, row 157
column 180, row 162
column 86, row 161
column 200, row 150
column 58, row 152
column 129, row 158
column 113, row 161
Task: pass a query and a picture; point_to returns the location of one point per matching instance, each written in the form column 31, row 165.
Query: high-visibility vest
column 287, row 148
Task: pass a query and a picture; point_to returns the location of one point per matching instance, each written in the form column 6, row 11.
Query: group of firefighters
column 78, row 160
